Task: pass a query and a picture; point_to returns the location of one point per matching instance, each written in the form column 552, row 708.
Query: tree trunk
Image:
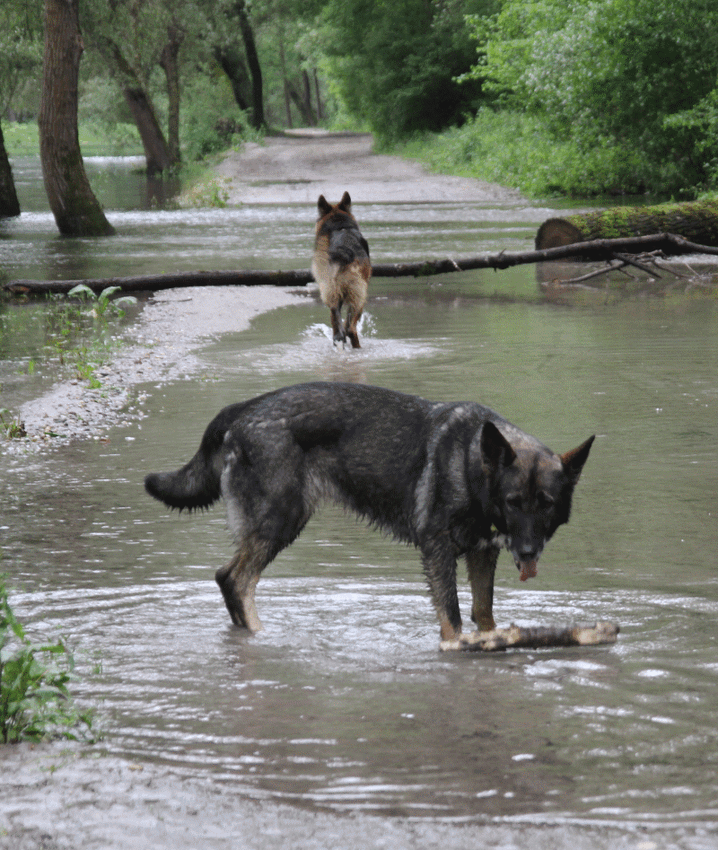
column 159, row 282
column 320, row 109
column 9, row 204
column 232, row 62
column 72, row 201
column 697, row 222
column 308, row 119
column 169, row 62
column 255, row 70
column 602, row 249
column 157, row 152
column 308, row 99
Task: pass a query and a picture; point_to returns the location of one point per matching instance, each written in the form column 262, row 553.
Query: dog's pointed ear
column 323, row 206
column 346, row 202
column 574, row 460
column 496, row 451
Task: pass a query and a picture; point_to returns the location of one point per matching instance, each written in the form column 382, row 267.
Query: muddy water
column 343, row 701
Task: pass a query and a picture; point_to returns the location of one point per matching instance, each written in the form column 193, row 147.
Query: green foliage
column 86, row 357
column 615, row 78
column 103, row 303
column 519, row 151
column 10, row 426
column 35, row 701
column 20, row 46
column 394, row 65
column 212, row 121
column 62, row 335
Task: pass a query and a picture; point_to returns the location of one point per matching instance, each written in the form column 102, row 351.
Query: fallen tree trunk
column 533, row 637
column 599, row 249
column 158, row 282
column 697, row 222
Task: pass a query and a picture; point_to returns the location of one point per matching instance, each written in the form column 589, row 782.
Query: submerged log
column 599, row 249
column 533, row 637
column 696, row 222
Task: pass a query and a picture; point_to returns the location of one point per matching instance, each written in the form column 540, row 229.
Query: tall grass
column 35, row 701
column 23, row 139
column 518, row 151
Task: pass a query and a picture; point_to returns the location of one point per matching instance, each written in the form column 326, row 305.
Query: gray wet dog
column 453, row 479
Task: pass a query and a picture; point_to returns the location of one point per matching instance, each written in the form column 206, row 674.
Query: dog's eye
column 545, row 499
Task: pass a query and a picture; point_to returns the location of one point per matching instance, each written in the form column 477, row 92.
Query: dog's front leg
column 481, row 566
column 440, row 569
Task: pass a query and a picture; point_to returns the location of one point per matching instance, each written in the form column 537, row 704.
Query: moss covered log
column 696, row 222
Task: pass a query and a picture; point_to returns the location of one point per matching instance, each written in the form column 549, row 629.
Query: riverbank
column 161, row 346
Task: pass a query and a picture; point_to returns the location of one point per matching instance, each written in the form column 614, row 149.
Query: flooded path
column 340, row 724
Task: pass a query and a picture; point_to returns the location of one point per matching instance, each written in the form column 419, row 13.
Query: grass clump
column 520, row 151
column 35, row 701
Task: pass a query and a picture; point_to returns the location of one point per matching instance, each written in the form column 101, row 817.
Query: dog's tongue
column 528, row 570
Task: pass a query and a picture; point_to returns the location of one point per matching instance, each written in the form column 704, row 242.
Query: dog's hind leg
column 238, row 580
column 338, row 332
column 481, row 566
column 440, row 570
column 350, row 327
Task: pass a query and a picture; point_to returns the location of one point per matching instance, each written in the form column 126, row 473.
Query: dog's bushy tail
column 193, row 487
column 198, row 484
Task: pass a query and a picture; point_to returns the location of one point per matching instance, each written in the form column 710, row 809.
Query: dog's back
column 341, row 266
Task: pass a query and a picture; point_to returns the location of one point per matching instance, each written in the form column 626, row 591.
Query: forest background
column 577, row 98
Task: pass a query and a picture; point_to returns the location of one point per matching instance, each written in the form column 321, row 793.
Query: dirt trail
column 297, row 168
column 293, row 168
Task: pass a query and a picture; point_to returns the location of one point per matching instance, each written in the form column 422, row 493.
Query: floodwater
column 343, row 701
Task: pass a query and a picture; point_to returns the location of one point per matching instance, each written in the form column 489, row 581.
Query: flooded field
column 343, row 703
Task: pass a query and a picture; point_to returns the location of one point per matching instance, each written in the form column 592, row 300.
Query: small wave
column 314, row 350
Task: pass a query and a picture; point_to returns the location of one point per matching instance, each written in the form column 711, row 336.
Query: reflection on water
column 343, row 700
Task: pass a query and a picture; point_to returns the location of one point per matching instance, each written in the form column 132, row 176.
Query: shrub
column 35, row 702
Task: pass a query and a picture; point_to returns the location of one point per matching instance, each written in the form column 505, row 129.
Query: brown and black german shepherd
column 451, row 478
column 341, row 266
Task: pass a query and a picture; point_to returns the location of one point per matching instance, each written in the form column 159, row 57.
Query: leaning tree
column 76, row 209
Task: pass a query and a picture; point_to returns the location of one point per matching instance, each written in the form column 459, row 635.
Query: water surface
column 343, row 701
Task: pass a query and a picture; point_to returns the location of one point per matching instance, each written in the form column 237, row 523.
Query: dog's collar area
column 496, row 541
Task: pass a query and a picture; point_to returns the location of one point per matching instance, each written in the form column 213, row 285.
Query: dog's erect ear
column 574, row 460
column 496, row 450
column 323, row 206
column 346, row 202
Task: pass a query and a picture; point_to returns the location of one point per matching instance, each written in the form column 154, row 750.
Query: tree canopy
column 589, row 95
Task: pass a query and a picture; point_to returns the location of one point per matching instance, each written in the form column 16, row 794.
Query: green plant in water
column 11, row 426
column 35, row 702
column 103, row 303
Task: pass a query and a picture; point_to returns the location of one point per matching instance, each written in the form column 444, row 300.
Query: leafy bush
column 211, row 120
column 630, row 84
column 35, row 701
column 519, row 151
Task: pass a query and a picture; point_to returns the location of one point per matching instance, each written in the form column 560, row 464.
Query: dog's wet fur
column 453, row 479
column 341, row 267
